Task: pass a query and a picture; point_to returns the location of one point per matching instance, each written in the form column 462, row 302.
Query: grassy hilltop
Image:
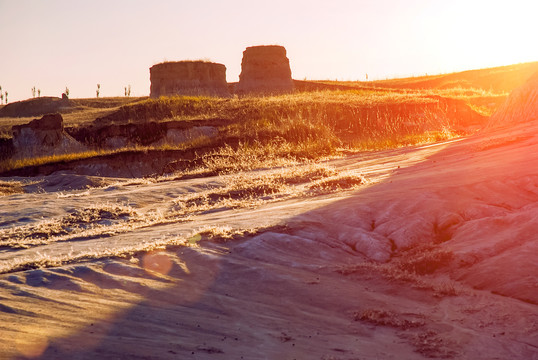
column 321, row 119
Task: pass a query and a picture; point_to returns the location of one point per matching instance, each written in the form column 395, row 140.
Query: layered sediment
column 188, row 78
column 265, row 69
column 44, row 136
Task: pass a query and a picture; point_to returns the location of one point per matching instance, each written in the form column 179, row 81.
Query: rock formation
column 265, row 69
column 520, row 106
column 46, row 131
column 43, row 136
column 115, row 135
column 188, row 78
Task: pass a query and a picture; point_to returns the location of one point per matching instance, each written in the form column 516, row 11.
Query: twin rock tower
column 264, row 70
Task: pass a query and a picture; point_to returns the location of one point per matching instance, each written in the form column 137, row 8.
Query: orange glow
column 384, row 39
column 158, row 262
column 31, row 345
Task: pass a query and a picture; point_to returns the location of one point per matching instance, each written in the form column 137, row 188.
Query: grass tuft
column 389, row 318
column 244, row 189
column 343, row 181
column 10, row 187
column 425, row 259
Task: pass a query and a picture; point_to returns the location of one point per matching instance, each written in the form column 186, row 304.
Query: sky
column 56, row 44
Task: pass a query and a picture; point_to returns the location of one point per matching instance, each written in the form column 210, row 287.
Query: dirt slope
column 327, row 283
column 434, row 257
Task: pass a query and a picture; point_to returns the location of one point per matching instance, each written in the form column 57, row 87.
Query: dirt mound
column 35, row 107
column 521, row 106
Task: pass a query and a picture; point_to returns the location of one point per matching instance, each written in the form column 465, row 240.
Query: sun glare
column 485, row 34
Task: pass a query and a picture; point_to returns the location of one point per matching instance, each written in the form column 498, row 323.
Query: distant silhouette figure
column 366, row 76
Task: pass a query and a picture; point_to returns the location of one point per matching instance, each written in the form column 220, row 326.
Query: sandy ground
column 434, row 258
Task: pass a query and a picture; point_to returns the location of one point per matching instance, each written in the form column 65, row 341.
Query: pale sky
column 57, row 43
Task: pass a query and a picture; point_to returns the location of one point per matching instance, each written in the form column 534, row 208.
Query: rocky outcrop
column 46, row 131
column 188, row 78
column 150, row 133
column 521, row 106
column 265, row 69
column 44, row 136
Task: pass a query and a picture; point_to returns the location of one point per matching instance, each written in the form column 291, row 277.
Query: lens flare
column 31, row 345
column 157, row 262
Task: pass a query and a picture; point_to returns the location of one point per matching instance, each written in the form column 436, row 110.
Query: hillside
column 277, row 236
column 304, row 125
column 497, row 80
column 484, row 90
column 414, row 253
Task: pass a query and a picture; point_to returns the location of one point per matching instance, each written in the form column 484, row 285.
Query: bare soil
column 433, row 258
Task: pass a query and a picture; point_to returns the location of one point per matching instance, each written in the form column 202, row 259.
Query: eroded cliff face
column 46, row 131
column 265, row 69
column 44, row 136
column 188, row 78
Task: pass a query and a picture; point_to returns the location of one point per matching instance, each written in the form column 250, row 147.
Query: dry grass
column 341, row 181
column 484, row 90
column 11, row 164
column 10, row 187
column 424, row 259
column 7, row 122
column 347, row 118
column 85, row 115
column 131, row 252
column 431, row 345
column 498, row 79
column 220, row 234
column 252, row 156
column 270, row 131
column 296, row 116
column 395, row 273
column 100, row 220
column 389, row 318
column 82, row 111
column 18, row 163
column 54, row 260
column 244, row 190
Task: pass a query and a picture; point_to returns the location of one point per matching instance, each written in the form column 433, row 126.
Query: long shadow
column 241, row 299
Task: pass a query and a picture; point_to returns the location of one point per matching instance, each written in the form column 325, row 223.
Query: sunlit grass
column 245, row 189
column 268, row 131
column 10, row 187
column 41, row 160
column 11, row 164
